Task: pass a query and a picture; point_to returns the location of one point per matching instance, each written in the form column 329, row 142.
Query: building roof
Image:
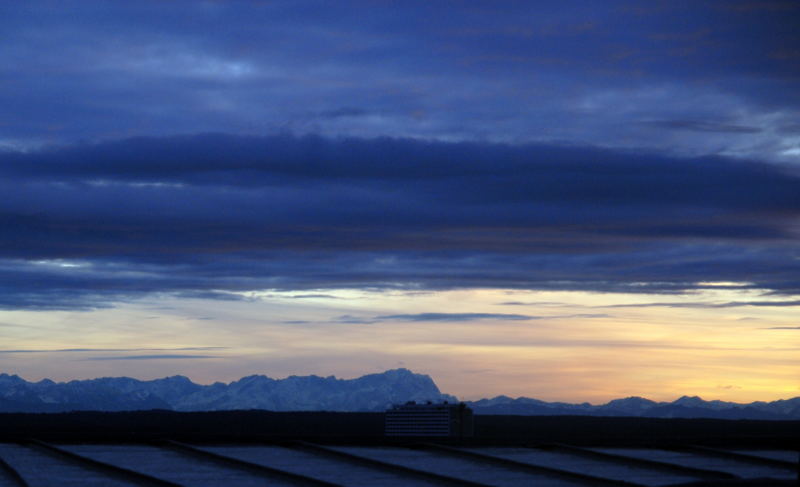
column 171, row 463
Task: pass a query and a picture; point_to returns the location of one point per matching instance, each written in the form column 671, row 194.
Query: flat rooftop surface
column 169, row 463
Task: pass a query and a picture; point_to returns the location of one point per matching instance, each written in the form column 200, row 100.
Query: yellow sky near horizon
column 554, row 346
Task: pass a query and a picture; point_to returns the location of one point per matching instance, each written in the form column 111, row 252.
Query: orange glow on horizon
column 570, row 346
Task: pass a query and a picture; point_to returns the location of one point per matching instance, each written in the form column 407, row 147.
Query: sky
column 567, row 200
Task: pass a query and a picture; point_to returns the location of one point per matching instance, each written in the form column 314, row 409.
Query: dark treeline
column 257, row 426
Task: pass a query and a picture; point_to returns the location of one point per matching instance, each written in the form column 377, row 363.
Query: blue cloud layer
column 207, row 216
column 698, row 77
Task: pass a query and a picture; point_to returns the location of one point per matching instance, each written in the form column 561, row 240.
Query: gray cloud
column 790, row 129
column 343, row 112
column 106, row 350
column 768, row 304
column 729, row 304
column 702, row 126
column 314, row 296
column 154, row 357
column 459, row 317
column 455, row 317
column 581, row 315
column 354, row 320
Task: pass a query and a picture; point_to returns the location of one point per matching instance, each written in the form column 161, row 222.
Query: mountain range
column 684, row 407
column 373, row 392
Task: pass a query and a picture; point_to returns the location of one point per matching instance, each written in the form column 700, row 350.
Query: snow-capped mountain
column 684, row 407
column 374, row 392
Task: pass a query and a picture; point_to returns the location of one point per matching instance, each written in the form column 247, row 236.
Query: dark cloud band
column 214, row 216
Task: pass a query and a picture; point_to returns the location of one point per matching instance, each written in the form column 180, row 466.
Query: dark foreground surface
column 256, row 426
column 245, row 448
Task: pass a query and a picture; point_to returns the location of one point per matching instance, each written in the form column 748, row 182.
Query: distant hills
column 685, row 407
column 374, row 392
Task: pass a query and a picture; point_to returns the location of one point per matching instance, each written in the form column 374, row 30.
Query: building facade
column 429, row 419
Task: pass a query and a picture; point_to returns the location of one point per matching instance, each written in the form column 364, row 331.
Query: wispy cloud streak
column 106, row 350
column 460, row 317
column 729, row 304
column 154, row 357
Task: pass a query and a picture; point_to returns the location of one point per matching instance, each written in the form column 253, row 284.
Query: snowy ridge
column 373, row 392
column 684, row 407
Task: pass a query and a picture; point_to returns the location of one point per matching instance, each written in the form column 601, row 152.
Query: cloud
column 459, row 317
column 782, row 328
column 154, row 357
column 354, row 320
column 790, row 129
column 213, row 294
column 343, row 112
column 702, row 126
column 314, row 296
column 4, row 324
column 219, row 216
column 778, row 304
column 749, row 6
column 522, row 72
column 729, row 304
column 105, row 350
column 455, row 317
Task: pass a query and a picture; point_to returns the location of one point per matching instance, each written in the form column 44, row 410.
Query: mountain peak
column 689, row 401
column 630, row 405
column 400, row 372
column 176, row 379
column 632, row 400
column 253, row 378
